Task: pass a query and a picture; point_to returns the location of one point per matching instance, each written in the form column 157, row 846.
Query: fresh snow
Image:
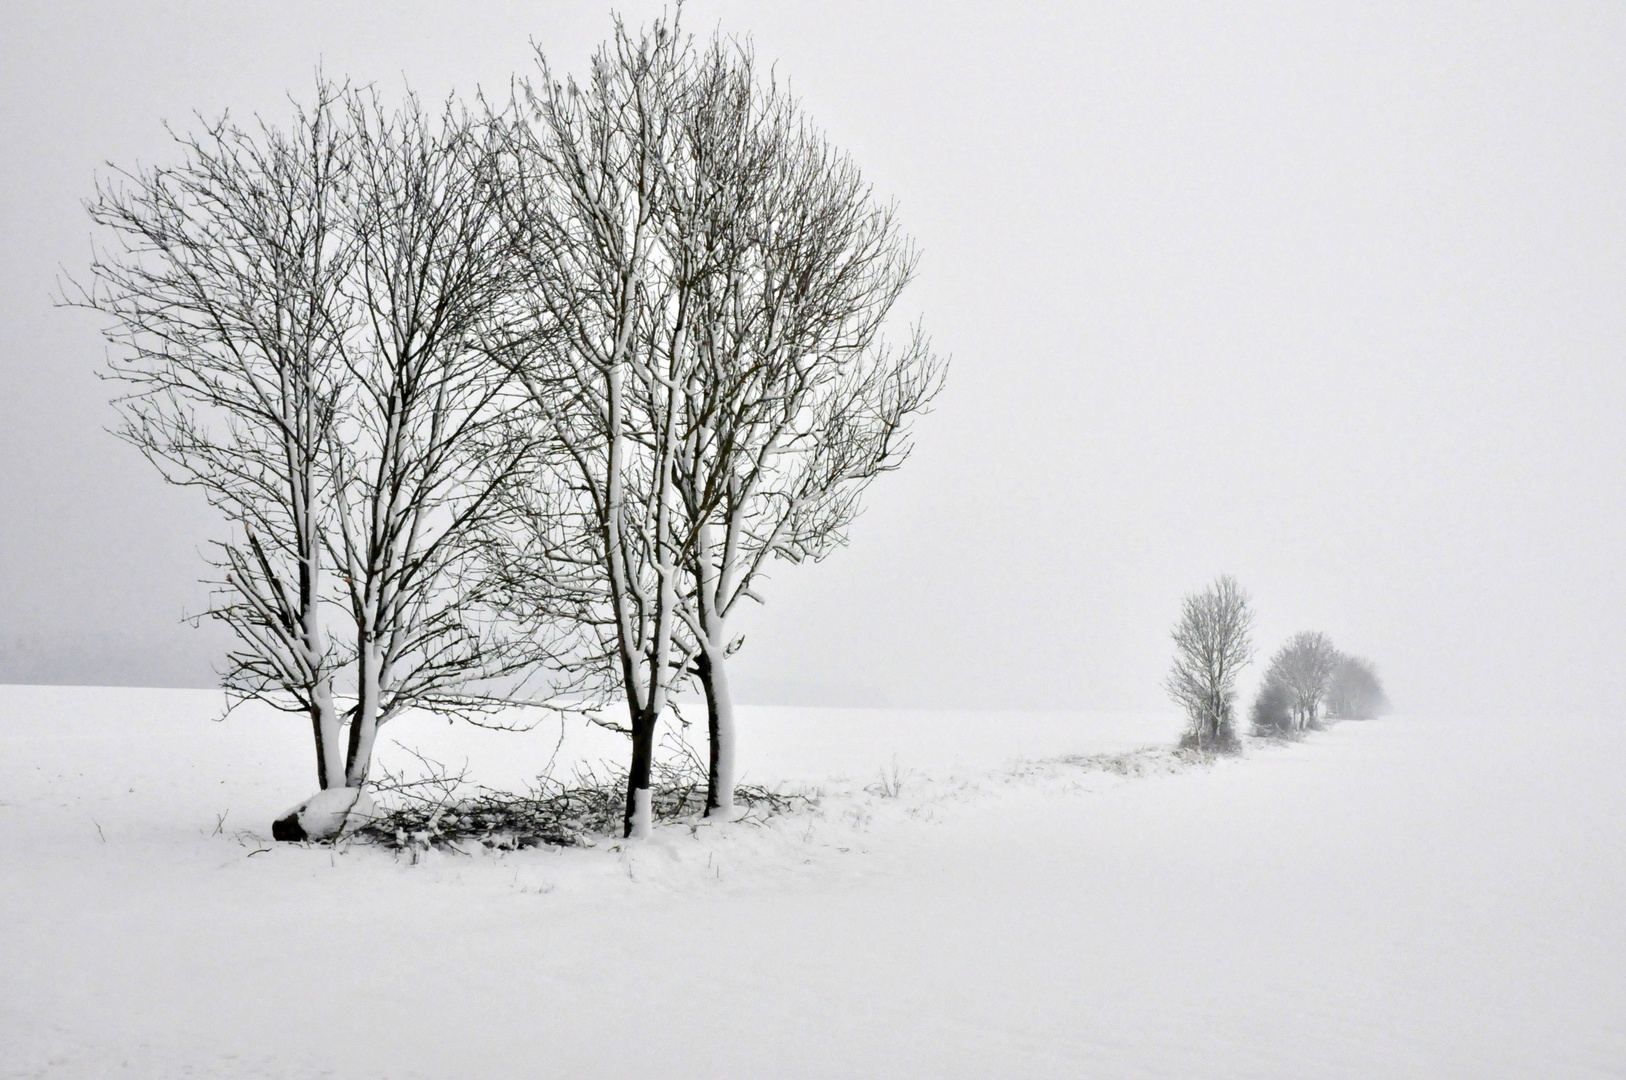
column 977, row 895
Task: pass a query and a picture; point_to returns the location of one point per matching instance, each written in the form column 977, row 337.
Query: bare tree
column 1212, row 644
column 787, row 269
column 599, row 351
column 1355, row 692
column 224, row 278
column 709, row 282
column 304, row 318
column 1305, row 667
column 414, row 464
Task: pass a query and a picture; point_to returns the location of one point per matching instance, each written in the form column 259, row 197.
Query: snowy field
column 1401, row 898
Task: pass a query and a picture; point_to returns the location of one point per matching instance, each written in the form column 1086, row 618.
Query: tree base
column 1224, row 741
column 324, row 815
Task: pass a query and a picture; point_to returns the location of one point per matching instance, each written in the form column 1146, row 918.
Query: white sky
column 1327, row 296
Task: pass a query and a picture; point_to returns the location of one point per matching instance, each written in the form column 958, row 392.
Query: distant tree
column 1212, row 644
column 1305, row 667
column 1355, row 692
column 1272, row 709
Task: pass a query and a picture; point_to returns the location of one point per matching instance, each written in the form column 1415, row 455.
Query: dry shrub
column 1222, row 741
column 443, row 810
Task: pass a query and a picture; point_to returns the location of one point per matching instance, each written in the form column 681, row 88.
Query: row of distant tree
column 1308, row 680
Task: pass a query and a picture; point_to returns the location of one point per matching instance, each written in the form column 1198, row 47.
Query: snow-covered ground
column 1407, row 897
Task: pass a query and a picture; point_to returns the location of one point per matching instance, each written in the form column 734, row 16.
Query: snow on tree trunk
column 328, row 732
column 720, row 731
column 325, row 724
column 642, row 815
column 640, row 811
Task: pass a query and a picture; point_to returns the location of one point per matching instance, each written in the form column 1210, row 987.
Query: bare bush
column 1273, row 710
column 442, row 810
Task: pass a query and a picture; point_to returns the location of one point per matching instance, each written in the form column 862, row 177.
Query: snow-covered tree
column 303, row 318
column 1212, row 644
column 416, row 459
column 709, row 281
column 224, row 276
column 599, row 350
column 787, row 268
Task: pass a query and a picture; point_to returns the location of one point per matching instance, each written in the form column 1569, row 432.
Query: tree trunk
column 639, row 817
column 326, row 728
column 325, row 723
column 321, row 748
column 720, row 732
column 364, row 719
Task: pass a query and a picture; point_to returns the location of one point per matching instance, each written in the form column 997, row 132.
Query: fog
column 1328, row 297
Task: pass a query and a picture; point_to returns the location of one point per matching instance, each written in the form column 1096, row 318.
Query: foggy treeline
column 1307, row 682
column 511, row 399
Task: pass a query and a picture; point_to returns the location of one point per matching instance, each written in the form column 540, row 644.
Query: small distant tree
column 1355, row 692
column 1273, row 709
column 1212, row 644
column 1304, row 666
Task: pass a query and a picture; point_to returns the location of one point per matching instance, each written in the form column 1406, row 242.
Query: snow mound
column 325, row 815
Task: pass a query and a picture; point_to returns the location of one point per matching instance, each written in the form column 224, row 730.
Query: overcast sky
column 1328, row 296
